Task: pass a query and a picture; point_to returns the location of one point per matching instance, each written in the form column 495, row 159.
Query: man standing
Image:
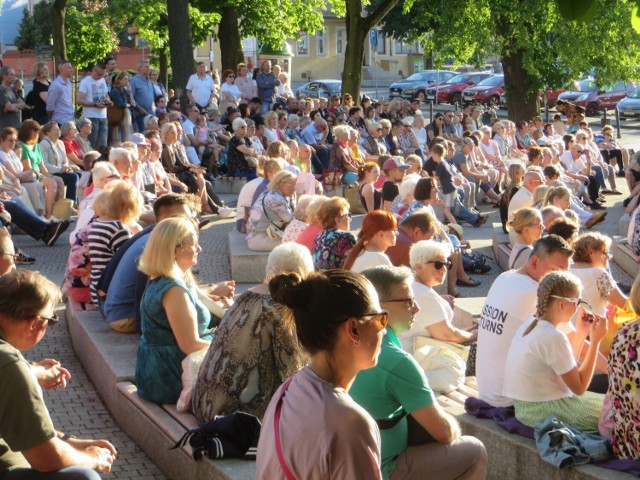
column 11, row 105
column 110, row 73
column 200, row 87
column 93, row 96
column 509, row 303
column 143, row 95
column 59, row 97
column 419, row 439
column 29, row 443
column 267, row 83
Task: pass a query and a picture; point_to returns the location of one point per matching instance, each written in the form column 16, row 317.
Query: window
column 381, row 47
column 321, row 43
column 402, row 48
column 303, row 44
column 340, row 34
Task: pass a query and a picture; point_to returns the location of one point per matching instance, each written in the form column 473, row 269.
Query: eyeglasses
column 579, row 150
column 115, row 175
column 12, row 255
column 188, row 245
column 231, row 76
column 379, row 319
column 409, row 302
column 440, row 265
column 578, row 301
column 348, row 215
column 51, row 321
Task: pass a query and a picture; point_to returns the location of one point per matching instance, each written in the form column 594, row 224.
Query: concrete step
column 247, row 266
column 624, row 257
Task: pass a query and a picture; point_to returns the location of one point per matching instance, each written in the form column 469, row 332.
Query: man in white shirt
column 200, row 87
column 510, row 302
column 189, row 127
column 94, row 97
column 59, row 97
column 524, row 197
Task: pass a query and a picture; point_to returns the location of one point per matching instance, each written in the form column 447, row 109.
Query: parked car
column 488, row 91
column 595, row 99
column 319, row 88
column 629, row 106
column 450, row 91
column 415, row 86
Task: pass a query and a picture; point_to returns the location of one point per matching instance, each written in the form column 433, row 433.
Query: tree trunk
column 522, row 99
column 229, row 37
column 357, row 33
column 163, row 72
column 58, row 13
column 180, row 42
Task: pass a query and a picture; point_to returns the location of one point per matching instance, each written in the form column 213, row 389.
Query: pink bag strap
column 283, row 462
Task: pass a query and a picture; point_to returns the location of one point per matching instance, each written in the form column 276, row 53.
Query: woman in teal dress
column 174, row 322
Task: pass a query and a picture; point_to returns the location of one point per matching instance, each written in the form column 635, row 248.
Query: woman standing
column 379, row 231
column 247, row 86
column 543, row 377
column 174, row 321
column 338, row 321
column 370, row 196
column 40, row 90
column 122, row 97
column 158, row 87
column 55, row 159
column 32, row 161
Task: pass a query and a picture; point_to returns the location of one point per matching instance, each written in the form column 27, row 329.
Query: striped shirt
column 105, row 237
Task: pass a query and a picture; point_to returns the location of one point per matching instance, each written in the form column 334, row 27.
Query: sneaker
column 597, row 206
column 226, row 212
column 24, row 259
column 53, row 232
column 482, row 219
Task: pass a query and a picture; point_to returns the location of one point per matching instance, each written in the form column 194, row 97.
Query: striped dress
column 105, row 237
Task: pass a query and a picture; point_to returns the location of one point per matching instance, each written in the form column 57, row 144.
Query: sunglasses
column 440, row 265
column 379, row 319
column 51, row 321
column 348, row 215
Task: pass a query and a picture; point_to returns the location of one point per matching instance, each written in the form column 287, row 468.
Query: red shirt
column 399, row 253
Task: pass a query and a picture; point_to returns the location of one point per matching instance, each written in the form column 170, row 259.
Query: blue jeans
column 25, row 218
column 599, row 176
column 99, row 132
column 463, row 214
column 69, row 473
column 138, row 121
column 71, row 182
column 265, row 107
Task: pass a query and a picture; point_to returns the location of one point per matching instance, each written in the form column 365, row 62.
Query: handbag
column 274, row 230
column 443, row 366
column 251, row 161
column 115, row 114
column 352, row 195
column 332, row 177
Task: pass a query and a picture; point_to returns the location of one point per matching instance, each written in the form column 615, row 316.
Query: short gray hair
column 301, row 207
column 117, row 153
column 66, row 126
column 385, row 277
column 426, row 250
column 289, row 257
column 237, row 123
column 82, row 122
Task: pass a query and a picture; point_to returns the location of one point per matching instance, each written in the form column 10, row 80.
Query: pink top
column 308, row 236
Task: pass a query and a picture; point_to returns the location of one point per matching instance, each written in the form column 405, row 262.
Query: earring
column 356, row 342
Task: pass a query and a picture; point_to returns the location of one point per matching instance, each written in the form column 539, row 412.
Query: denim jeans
column 265, row 107
column 99, row 132
column 71, row 182
column 69, row 473
column 599, row 176
column 25, row 218
column 463, row 214
column 138, row 121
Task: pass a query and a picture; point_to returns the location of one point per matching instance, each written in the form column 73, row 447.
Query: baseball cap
column 395, row 162
column 139, row 139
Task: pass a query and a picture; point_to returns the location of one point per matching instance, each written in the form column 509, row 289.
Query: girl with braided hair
column 542, row 376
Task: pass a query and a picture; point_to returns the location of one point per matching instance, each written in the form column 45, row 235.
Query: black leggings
column 607, row 155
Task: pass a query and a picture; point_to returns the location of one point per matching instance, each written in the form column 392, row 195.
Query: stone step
column 624, row 257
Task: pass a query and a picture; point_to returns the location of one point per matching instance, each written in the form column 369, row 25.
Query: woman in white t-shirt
column 528, row 225
column 590, row 265
column 379, row 231
column 430, row 261
column 541, row 374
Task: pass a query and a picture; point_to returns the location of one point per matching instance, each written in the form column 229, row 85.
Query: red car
column 595, row 99
column 488, row 91
column 451, row 90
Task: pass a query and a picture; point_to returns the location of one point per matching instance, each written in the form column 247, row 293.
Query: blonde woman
column 271, row 127
column 527, row 223
column 174, row 321
column 543, row 377
column 41, row 84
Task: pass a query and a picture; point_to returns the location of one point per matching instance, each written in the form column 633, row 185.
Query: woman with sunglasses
column 312, row 427
column 542, row 375
column 591, row 265
column 419, row 439
column 379, row 231
column 431, row 261
column 331, row 246
column 229, row 92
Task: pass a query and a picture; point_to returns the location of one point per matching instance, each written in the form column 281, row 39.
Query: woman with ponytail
column 370, row 196
column 379, row 231
column 542, row 375
column 312, row 427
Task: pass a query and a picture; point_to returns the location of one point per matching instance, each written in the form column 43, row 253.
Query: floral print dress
column 331, row 247
column 624, row 391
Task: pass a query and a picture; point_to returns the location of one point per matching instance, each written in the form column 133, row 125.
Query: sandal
column 469, row 283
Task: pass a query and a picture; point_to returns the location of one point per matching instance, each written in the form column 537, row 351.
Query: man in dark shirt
column 420, row 225
column 395, row 170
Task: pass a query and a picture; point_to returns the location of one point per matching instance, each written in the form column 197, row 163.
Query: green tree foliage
column 536, row 41
column 27, row 38
column 88, row 33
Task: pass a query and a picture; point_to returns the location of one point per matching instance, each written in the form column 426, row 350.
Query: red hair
column 373, row 222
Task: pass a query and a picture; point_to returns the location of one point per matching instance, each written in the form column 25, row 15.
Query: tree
column 180, row 41
column 537, row 45
column 58, row 14
column 358, row 26
column 27, row 35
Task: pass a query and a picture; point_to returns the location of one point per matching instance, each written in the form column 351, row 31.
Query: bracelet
column 66, row 437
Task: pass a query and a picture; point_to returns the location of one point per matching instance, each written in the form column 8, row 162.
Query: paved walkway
column 79, row 410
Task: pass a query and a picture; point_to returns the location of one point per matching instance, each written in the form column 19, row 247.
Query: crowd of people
column 323, row 350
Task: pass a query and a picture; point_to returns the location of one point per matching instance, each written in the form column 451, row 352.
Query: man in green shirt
column 30, row 447
column 419, row 439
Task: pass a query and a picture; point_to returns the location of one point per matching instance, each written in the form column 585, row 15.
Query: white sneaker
column 226, row 212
